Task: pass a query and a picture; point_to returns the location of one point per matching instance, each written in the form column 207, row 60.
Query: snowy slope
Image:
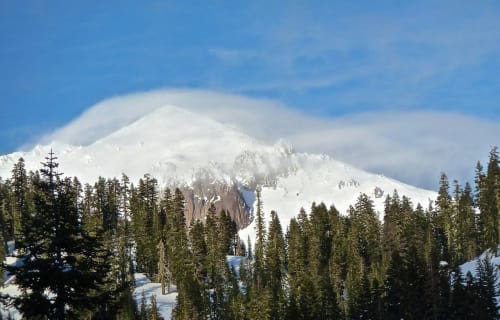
column 144, row 286
column 471, row 266
column 179, row 147
column 318, row 178
column 168, row 142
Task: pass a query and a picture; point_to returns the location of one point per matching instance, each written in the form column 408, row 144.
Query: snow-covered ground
column 319, row 178
column 166, row 303
column 9, row 288
column 471, row 267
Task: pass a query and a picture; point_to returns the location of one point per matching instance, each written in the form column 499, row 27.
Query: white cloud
column 413, row 147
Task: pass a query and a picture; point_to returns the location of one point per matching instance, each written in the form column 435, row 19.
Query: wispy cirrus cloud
column 381, row 56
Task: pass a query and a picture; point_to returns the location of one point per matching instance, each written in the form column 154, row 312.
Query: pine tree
column 414, row 289
column 445, row 218
column 275, row 266
column 154, row 313
column 486, row 289
column 144, row 208
column 319, row 252
column 217, row 269
column 336, row 264
column 177, row 241
column 7, row 217
column 163, row 274
column 236, row 307
column 365, row 223
column 259, row 304
column 461, row 304
column 466, row 239
column 190, row 303
column 2, row 253
column 20, row 192
column 260, row 233
column 355, row 267
column 59, row 257
column 486, row 199
column 143, row 311
column 393, row 227
column 492, row 178
column 435, row 285
column 394, row 285
column 228, row 233
column 127, row 307
column 302, row 294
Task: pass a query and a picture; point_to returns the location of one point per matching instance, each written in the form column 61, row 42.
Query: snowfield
column 166, row 303
column 179, row 147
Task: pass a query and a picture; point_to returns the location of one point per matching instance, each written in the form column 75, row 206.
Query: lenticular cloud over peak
column 112, row 114
column 386, row 142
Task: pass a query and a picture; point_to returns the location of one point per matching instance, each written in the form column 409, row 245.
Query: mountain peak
column 183, row 148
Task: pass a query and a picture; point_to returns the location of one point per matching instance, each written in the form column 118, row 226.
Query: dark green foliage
column 260, row 233
column 466, row 228
column 445, row 219
column 327, row 267
column 143, row 311
column 126, row 307
column 20, row 205
column 275, row 266
column 405, row 286
column 487, row 196
column 485, row 290
column 154, row 314
column 3, row 227
column 462, row 305
column 58, row 255
column 147, row 224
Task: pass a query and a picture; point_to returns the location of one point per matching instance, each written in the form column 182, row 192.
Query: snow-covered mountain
column 214, row 162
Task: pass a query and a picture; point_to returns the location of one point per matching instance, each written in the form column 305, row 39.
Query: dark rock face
column 202, row 194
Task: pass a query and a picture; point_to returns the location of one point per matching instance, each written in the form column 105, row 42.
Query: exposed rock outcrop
column 227, row 197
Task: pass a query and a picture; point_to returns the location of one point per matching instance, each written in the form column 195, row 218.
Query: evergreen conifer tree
column 143, row 311
column 163, row 274
column 20, row 193
column 445, row 218
column 467, row 236
column 154, row 313
column 302, row 294
column 275, row 266
column 486, row 277
column 462, row 303
column 2, row 252
column 60, row 268
column 260, row 232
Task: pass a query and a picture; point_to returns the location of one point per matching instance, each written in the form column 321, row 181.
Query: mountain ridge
column 211, row 160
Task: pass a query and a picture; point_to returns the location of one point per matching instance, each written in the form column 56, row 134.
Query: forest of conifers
column 79, row 246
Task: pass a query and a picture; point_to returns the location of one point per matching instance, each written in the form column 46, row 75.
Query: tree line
column 81, row 244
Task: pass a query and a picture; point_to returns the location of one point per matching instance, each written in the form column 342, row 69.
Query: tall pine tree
column 59, row 270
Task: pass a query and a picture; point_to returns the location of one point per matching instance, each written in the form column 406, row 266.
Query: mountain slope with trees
column 80, row 246
column 214, row 163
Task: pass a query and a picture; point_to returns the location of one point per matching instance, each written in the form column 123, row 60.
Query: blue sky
column 324, row 58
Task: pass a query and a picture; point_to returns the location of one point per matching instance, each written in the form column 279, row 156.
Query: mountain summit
column 215, row 163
